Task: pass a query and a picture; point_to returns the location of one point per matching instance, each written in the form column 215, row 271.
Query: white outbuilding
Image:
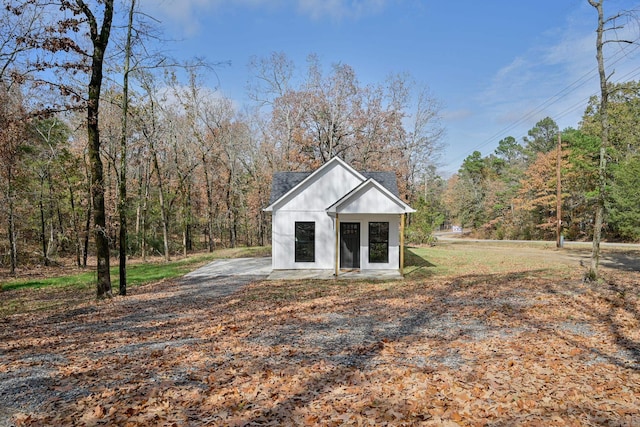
column 336, row 218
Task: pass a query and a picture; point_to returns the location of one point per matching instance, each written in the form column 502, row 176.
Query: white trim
column 312, row 176
column 335, row 208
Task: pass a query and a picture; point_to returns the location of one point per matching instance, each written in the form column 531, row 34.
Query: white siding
column 309, row 203
column 370, row 200
column 283, row 240
column 330, row 185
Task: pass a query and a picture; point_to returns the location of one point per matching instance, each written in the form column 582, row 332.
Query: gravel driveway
column 30, row 373
column 214, row 278
column 233, row 267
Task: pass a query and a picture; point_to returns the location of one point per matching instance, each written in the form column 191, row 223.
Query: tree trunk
column 143, row 218
column 231, row 211
column 54, row 209
column 122, row 193
column 87, row 233
column 262, row 228
column 163, row 208
column 559, row 193
column 604, row 142
column 186, row 227
column 13, row 250
column 43, row 225
column 211, row 242
column 74, row 221
column 87, row 222
column 100, row 40
column 141, row 211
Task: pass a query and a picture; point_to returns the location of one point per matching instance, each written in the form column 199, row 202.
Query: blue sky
column 497, row 66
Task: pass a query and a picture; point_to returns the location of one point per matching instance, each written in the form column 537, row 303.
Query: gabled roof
column 360, row 193
column 282, row 182
column 387, row 179
column 285, row 180
column 385, row 183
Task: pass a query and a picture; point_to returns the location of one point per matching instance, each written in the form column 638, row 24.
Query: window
column 305, row 241
column 379, row 242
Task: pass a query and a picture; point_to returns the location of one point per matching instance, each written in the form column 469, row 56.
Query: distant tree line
column 511, row 193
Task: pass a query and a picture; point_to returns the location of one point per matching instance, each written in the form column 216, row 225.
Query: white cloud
column 180, row 13
column 456, row 115
column 548, row 79
column 340, row 9
column 555, row 76
column 187, row 14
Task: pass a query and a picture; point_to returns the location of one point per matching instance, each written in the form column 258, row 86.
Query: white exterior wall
column 309, row 203
column 394, row 240
column 283, row 240
column 326, row 188
column 370, row 200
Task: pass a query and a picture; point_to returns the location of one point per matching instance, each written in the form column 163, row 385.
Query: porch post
column 337, row 245
column 402, row 216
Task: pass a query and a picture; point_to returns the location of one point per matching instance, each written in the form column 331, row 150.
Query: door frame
column 357, row 252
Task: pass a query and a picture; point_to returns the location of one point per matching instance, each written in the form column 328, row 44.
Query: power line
column 581, row 81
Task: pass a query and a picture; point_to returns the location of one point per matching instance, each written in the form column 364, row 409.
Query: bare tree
column 122, row 193
column 423, row 142
column 99, row 35
column 149, row 122
column 604, row 25
column 272, row 87
column 12, row 132
column 19, row 25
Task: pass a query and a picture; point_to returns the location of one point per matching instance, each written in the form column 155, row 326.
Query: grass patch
column 79, row 280
column 137, row 273
column 422, row 265
column 67, row 290
column 460, row 260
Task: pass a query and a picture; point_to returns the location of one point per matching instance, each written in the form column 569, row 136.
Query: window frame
column 377, row 238
column 302, row 241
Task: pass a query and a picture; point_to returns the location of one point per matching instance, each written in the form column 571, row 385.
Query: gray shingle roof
column 387, row 179
column 284, row 181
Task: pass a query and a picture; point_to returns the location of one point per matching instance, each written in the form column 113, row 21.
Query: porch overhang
column 370, row 197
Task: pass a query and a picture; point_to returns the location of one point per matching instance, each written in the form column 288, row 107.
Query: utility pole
column 559, row 194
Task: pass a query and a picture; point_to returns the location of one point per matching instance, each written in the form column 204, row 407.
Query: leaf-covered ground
column 499, row 345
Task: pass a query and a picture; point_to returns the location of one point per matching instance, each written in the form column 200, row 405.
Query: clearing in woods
column 475, row 335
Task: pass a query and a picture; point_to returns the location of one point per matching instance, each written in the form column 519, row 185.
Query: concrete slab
column 234, row 267
column 328, row 275
column 258, row 268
